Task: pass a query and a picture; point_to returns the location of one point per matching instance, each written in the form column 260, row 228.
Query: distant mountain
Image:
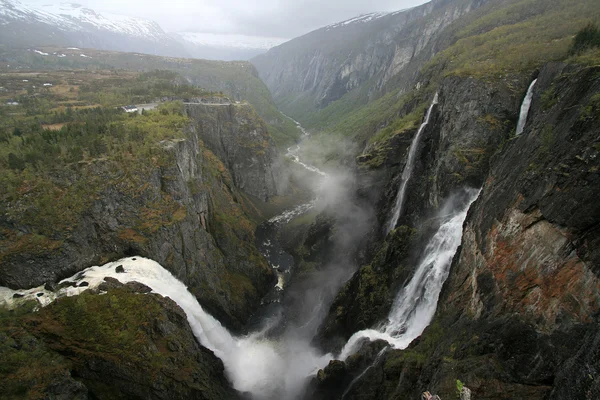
column 225, row 47
column 310, row 72
column 69, row 24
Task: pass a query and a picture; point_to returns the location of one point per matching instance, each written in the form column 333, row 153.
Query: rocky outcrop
column 118, row 345
column 180, row 207
column 240, row 139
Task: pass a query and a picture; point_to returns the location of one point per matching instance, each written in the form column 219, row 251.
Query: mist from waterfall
column 415, row 304
column 525, row 108
column 408, row 170
column 265, row 368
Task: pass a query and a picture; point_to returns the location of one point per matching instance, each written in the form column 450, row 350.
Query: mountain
column 310, row 72
column 322, row 78
column 70, row 24
column 226, row 47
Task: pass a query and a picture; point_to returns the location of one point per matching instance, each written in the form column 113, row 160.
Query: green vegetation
column 499, row 40
column 42, row 350
column 236, row 79
column 69, row 143
column 459, row 387
column 401, row 125
column 587, row 38
column 526, row 33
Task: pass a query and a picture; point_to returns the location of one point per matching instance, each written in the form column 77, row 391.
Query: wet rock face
column 525, row 281
column 517, row 317
column 467, row 127
column 532, row 229
column 240, row 139
column 367, row 297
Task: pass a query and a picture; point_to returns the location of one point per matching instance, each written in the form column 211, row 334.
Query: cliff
column 178, row 205
column 308, row 73
column 517, row 317
column 235, row 134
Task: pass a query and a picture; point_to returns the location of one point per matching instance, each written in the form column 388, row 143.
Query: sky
column 275, row 18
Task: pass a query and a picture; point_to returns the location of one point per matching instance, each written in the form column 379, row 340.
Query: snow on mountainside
column 359, row 19
column 71, row 16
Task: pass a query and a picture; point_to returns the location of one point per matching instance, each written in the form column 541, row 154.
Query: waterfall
column 415, row 304
column 525, row 108
column 268, row 369
column 408, row 169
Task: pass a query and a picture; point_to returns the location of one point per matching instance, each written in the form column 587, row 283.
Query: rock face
column 517, row 317
column 240, row 139
column 322, row 66
column 455, row 150
column 118, row 345
column 181, row 208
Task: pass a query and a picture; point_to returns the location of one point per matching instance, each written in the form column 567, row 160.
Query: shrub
column 586, row 38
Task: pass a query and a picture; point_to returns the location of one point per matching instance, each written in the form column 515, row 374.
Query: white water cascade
column 416, row 303
column 408, row 169
column 267, row 369
column 525, row 108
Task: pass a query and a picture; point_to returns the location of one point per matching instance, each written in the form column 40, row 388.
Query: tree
column 586, row 38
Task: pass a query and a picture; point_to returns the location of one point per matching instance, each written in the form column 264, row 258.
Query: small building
column 47, row 84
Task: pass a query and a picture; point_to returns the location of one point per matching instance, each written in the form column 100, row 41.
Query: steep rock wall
column 517, row 318
column 240, row 139
column 322, row 66
column 180, row 207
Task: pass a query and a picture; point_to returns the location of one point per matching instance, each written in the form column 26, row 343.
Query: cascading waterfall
column 408, row 169
column 267, row 369
column 416, row 303
column 525, row 108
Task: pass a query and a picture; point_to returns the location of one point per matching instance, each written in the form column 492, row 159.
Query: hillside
column 237, row 79
column 444, row 243
column 354, row 77
column 71, row 25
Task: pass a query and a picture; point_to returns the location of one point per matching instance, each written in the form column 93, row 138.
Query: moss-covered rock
column 117, row 345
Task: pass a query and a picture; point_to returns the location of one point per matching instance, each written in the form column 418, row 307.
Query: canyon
column 430, row 227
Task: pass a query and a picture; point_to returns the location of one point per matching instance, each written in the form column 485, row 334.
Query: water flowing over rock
column 416, row 303
column 408, row 169
column 525, row 108
column 266, row 368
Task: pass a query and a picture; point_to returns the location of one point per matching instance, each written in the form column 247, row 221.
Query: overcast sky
column 279, row 18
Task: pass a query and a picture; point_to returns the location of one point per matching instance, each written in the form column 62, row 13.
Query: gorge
column 405, row 205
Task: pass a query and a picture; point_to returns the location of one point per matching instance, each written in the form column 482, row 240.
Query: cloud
column 277, row 18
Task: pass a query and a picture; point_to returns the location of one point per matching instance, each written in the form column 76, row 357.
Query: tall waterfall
column 525, row 108
column 416, row 303
column 408, row 169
